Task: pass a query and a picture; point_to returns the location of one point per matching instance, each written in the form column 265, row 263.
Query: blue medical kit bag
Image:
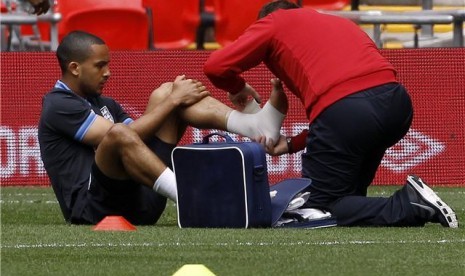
column 224, row 184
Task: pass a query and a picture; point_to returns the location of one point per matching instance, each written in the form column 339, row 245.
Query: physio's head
column 84, row 59
column 276, row 5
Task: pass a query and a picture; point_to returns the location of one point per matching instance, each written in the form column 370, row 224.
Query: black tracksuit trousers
column 345, row 145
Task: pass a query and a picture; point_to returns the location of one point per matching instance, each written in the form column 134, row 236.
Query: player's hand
column 40, row 6
column 273, row 150
column 164, row 88
column 240, row 99
column 186, row 92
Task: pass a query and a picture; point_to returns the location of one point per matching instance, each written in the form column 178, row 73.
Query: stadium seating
column 4, row 8
column 122, row 24
column 43, row 29
column 174, row 22
column 27, row 30
column 325, row 4
column 27, row 36
column 207, row 22
column 233, row 17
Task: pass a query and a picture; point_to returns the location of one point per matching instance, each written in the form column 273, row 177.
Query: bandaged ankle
column 166, row 184
column 267, row 122
column 270, row 116
column 251, row 107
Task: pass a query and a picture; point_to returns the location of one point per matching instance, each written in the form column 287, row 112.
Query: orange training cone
column 114, row 223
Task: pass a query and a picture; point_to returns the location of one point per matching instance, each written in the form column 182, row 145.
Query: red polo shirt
column 321, row 58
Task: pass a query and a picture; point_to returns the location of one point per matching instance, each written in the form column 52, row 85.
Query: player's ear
column 74, row 68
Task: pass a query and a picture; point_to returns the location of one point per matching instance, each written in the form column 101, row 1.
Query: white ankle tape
column 251, row 107
column 271, row 120
column 267, row 122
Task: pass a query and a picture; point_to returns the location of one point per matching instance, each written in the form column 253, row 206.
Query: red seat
column 37, row 33
column 43, row 27
column 174, row 22
column 121, row 24
column 4, row 8
column 233, row 17
column 325, row 4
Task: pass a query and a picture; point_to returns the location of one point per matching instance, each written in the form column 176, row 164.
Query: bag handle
column 206, row 139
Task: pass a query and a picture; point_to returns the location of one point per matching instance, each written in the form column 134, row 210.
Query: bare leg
column 205, row 114
column 173, row 127
column 211, row 113
column 123, row 155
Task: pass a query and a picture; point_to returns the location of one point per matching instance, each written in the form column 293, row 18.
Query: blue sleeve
column 128, row 121
column 85, row 126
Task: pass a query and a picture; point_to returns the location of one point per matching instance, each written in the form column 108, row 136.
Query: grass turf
column 36, row 241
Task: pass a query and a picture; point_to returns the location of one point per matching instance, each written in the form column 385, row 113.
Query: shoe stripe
column 430, row 210
column 430, row 196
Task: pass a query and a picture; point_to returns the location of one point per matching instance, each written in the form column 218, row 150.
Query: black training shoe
column 430, row 203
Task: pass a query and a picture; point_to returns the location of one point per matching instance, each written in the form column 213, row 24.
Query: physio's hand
column 40, row 6
column 240, row 99
column 274, row 149
column 186, row 92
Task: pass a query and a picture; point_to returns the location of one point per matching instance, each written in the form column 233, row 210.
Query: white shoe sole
column 432, row 198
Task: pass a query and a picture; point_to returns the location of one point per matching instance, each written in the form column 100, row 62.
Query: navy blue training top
column 64, row 121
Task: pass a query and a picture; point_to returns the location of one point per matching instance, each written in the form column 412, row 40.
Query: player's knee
column 121, row 135
column 159, row 94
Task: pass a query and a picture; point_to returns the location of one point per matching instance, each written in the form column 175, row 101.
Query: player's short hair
column 75, row 46
column 276, row 5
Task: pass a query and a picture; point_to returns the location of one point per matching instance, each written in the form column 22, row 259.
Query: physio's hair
column 276, row 5
column 75, row 46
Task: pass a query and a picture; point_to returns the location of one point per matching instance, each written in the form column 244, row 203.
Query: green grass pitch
column 36, row 241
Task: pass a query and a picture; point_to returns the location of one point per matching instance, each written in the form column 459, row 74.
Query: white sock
column 166, row 184
column 267, row 122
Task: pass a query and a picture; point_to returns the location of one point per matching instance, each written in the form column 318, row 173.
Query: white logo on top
column 106, row 114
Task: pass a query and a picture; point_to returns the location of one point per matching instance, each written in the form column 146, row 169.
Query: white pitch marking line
column 28, row 201
column 180, row 244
